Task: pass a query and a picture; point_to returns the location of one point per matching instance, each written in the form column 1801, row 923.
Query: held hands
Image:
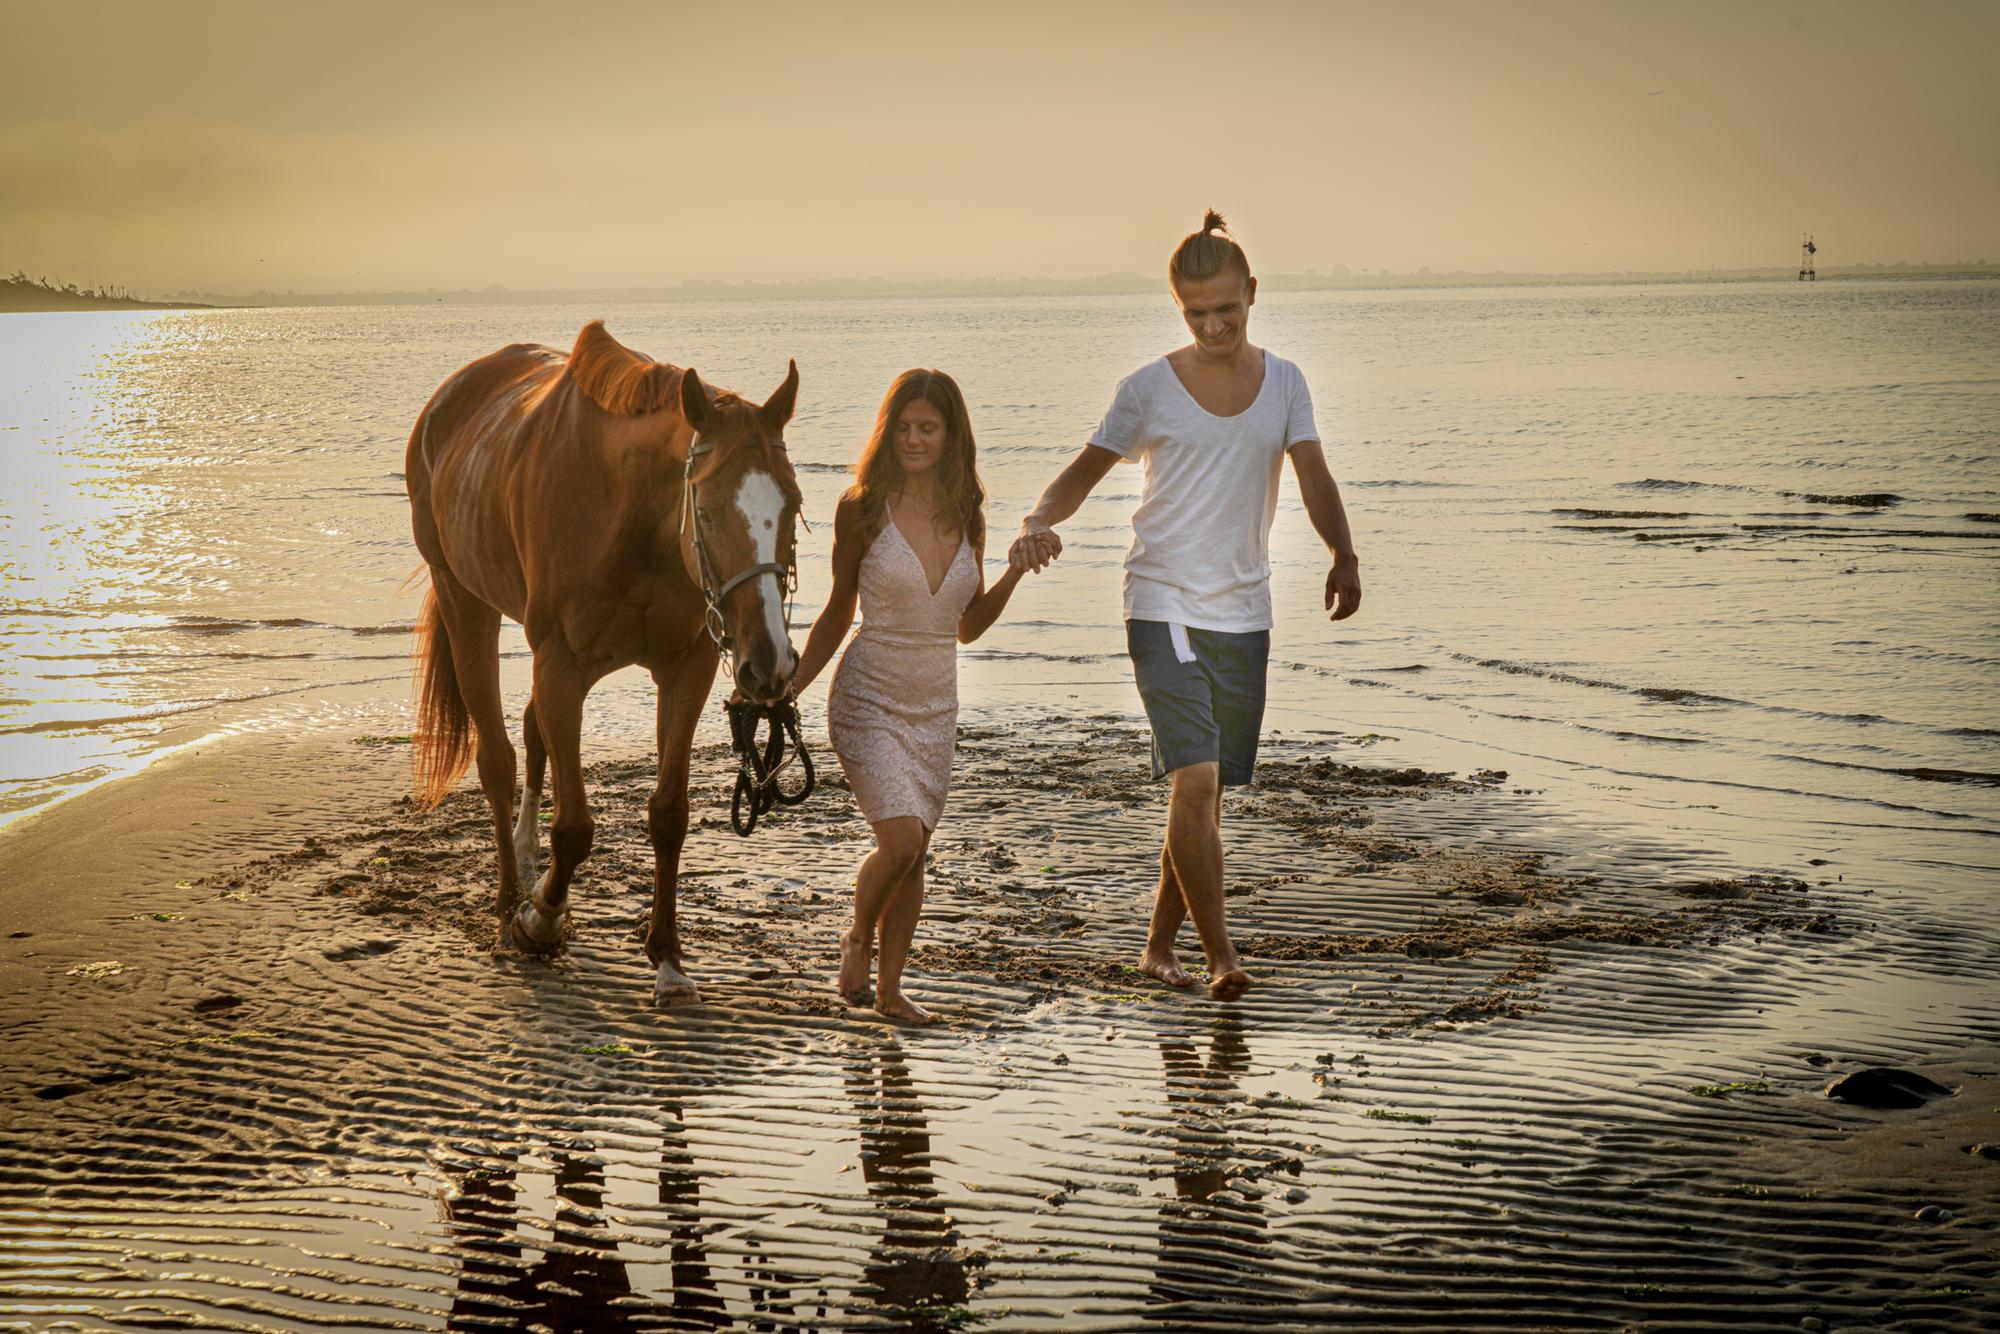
column 1343, row 588
column 1034, row 548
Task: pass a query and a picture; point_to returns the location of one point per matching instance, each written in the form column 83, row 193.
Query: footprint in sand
column 361, row 949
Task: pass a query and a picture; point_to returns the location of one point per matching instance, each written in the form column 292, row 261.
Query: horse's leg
column 684, row 689
column 559, row 690
column 527, row 820
column 474, row 628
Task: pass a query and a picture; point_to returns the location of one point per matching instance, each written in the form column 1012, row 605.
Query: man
column 1212, row 423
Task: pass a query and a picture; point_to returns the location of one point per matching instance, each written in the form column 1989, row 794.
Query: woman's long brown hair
column 878, row 473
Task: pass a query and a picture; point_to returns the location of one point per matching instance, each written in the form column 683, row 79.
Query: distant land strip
column 22, row 293
column 19, row 295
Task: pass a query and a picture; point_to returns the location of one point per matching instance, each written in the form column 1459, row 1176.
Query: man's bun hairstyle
column 1204, row 254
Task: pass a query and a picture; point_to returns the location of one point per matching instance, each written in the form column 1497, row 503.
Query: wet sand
column 264, row 1072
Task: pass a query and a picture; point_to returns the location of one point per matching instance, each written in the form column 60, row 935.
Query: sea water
column 1663, row 550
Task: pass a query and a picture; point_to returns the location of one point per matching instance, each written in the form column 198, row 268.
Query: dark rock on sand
column 1885, row 1089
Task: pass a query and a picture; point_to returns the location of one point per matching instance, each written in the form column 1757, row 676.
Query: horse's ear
column 777, row 409
column 694, row 400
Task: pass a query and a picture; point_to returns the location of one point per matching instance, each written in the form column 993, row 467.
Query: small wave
column 1670, row 484
column 1861, row 500
column 1984, row 518
column 116, row 720
column 1821, row 530
column 1664, row 694
column 223, row 625
column 1680, row 695
column 821, row 467
column 1921, row 772
column 1675, row 695
column 1399, row 482
column 1623, row 514
column 1408, row 667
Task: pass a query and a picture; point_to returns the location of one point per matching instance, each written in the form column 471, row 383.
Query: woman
column 909, row 542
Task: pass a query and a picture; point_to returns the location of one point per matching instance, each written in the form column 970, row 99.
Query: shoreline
column 1464, row 1006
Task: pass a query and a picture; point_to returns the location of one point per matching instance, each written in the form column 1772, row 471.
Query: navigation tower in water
column 1806, row 253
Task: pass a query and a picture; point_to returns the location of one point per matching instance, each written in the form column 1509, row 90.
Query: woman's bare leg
column 898, row 929
column 899, row 846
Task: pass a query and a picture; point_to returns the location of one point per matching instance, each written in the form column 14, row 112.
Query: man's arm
column 1038, row 544
column 1329, row 520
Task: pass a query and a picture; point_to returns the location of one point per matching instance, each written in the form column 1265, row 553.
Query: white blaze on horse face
column 762, row 504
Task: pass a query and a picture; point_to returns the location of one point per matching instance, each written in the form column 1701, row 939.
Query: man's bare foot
column 1230, row 986
column 855, row 956
column 1165, row 967
column 899, row 1006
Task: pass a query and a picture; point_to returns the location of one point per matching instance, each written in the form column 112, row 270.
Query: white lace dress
column 892, row 710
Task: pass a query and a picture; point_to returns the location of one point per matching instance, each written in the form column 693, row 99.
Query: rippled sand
column 263, row 1071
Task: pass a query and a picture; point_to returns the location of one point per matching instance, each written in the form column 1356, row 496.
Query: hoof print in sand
column 361, row 949
column 54, row 1091
column 1885, row 1089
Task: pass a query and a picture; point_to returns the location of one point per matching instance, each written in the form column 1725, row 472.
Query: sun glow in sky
column 340, row 145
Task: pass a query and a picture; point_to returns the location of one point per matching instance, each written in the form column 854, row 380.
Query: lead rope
column 757, row 765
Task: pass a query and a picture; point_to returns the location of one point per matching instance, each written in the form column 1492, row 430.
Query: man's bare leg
column 1194, row 847
column 1169, row 911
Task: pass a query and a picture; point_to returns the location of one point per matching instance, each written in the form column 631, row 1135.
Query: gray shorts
column 1207, row 710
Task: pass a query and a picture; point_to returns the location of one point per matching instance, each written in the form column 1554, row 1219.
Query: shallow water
column 1723, row 547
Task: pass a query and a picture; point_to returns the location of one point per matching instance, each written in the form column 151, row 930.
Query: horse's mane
column 619, row 380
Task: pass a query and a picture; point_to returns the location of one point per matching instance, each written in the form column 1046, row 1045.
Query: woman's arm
column 987, row 603
column 837, row 616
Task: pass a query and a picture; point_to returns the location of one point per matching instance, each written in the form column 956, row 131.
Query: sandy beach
column 265, row 1071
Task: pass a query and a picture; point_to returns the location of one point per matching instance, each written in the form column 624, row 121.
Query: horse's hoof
column 672, row 988
column 534, row 931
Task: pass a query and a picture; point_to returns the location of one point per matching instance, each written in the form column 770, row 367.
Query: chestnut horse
column 556, row 490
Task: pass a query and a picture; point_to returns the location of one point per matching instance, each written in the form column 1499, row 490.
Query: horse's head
column 740, row 546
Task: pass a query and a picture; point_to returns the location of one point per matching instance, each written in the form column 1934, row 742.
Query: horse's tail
column 445, row 734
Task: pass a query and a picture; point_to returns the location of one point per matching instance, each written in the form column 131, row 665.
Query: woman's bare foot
column 855, row 956
column 1230, row 985
column 898, row 1006
column 1165, row 967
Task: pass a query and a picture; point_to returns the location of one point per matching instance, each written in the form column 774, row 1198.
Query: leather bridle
column 712, row 594
column 757, row 765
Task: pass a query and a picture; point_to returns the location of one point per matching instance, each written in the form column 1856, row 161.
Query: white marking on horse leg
column 672, row 987
column 761, row 502
column 527, row 829
column 540, row 928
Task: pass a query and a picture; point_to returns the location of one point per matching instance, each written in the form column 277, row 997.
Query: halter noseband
column 786, row 571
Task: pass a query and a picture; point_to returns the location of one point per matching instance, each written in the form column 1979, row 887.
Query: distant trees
column 101, row 292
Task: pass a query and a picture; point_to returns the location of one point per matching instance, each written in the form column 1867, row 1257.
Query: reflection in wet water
column 1214, row 1243
column 574, row 1279
column 695, row 1300
column 577, row 1282
column 917, row 1270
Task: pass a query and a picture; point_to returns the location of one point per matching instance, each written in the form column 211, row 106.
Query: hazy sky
column 333, row 145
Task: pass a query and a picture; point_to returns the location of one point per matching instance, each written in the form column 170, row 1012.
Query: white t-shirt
column 1201, row 545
